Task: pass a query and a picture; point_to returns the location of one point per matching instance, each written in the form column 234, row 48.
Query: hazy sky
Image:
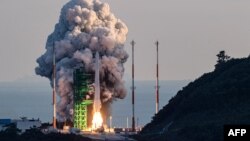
column 191, row 33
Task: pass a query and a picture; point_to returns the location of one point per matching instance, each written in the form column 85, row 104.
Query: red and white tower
column 54, row 87
column 133, row 88
column 157, row 77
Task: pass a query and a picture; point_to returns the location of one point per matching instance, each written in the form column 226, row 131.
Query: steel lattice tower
column 82, row 82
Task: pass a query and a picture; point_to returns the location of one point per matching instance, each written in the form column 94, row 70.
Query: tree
column 222, row 57
column 12, row 130
column 11, row 133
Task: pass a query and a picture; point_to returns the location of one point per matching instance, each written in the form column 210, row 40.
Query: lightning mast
column 54, row 87
column 133, row 88
column 157, row 77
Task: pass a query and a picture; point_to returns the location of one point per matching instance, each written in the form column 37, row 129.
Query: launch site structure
column 82, row 82
column 157, row 78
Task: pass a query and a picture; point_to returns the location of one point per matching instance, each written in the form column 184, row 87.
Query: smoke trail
column 84, row 27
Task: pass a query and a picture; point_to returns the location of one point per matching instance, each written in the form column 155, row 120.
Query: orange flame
column 97, row 120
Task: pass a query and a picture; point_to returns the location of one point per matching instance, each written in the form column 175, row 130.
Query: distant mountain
column 200, row 110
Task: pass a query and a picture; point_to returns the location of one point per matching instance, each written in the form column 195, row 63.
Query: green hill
column 200, row 110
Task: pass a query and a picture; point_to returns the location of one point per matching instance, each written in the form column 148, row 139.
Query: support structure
column 82, row 82
column 157, row 77
column 54, row 87
column 133, row 88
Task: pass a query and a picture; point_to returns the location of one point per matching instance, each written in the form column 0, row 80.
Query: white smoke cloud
column 86, row 26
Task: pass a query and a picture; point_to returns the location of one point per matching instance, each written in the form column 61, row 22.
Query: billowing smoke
column 85, row 26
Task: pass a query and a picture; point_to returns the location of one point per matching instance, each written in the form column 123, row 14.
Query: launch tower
column 82, row 82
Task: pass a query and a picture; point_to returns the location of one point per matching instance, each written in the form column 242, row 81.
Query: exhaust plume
column 85, row 27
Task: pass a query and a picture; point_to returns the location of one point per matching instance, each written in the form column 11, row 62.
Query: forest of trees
column 201, row 109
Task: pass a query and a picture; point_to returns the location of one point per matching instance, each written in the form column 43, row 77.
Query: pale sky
column 190, row 32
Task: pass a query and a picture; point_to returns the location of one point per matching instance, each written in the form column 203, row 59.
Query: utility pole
column 133, row 88
column 157, row 77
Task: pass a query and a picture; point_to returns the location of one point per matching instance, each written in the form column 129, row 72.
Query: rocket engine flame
column 85, row 26
column 97, row 120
